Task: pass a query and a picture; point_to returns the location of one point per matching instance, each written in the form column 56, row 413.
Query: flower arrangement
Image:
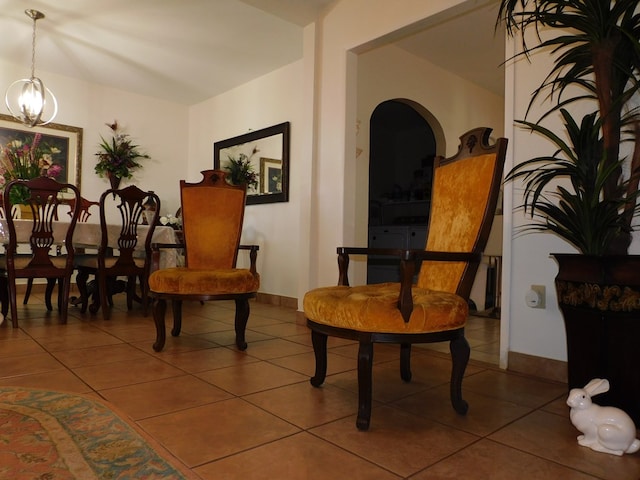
column 171, row 221
column 119, row 156
column 241, row 169
column 26, row 157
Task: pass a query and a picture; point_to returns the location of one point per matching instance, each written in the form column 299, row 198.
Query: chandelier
column 27, row 99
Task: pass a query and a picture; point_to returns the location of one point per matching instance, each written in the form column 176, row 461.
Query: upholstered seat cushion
column 374, row 308
column 194, row 281
column 21, row 261
column 91, row 261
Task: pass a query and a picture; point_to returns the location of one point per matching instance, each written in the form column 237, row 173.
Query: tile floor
column 253, row 415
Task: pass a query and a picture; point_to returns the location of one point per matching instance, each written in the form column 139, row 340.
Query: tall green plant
column 596, row 52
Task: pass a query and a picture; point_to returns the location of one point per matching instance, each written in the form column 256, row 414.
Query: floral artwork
column 28, row 156
column 53, row 150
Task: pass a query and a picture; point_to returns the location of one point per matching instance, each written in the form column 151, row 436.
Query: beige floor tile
column 210, row 432
column 402, row 443
column 275, row 348
column 19, row 346
column 306, row 406
column 28, row 365
column 150, row 399
column 207, row 359
column 82, row 357
column 553, row 437
column 300, row 456
column 488, row 460
column 305, row 363
column 118, row 374
column 522, row 390
column 485, row 415
column 61, row 380
column 251, row 377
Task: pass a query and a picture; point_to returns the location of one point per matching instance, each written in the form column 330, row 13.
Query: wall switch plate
column 536, row 296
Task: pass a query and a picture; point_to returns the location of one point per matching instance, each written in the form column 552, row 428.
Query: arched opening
column 401, row 151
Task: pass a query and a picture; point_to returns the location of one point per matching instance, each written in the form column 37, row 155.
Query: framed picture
column 270, row 175
column 63, row 140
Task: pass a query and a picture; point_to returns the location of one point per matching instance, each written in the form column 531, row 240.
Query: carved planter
column 600, row 301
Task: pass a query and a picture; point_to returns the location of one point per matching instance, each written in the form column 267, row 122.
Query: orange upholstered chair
column 212, row 215
column 463, row 202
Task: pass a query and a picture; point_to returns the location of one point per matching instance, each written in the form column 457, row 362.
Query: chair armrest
column 155, row 253
column 253, row 256
column 408, row 260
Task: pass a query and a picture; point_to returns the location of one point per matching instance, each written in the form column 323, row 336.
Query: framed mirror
column 267, row 150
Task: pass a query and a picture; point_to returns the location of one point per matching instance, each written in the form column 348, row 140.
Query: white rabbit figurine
column 605, row 429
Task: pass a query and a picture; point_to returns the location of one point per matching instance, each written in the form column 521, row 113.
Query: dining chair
column 464, row 196
column 43, row 199
column 120, row 256
column 212, row 216
column 83, row 216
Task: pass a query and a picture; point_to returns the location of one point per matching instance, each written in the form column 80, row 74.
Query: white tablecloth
column 88, row 234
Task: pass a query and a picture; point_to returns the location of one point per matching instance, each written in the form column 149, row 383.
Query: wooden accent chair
column 464, row 196
column 83, row 216
column 118, row 257
column 212, row 216
column 43, row 261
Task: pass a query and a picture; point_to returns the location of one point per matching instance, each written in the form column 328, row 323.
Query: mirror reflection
column 261, row 158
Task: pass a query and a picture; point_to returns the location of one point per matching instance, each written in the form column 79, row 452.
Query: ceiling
column 188, row 51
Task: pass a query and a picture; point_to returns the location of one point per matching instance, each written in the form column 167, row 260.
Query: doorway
column 402, row 147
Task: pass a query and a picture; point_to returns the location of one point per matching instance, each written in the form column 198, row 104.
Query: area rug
column 55, row 435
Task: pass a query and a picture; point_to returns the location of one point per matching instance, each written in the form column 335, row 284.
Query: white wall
column 263, row 102
column 159, row 127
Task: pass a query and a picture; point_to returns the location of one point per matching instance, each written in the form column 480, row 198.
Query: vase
column 113, row 180
column 599, row 297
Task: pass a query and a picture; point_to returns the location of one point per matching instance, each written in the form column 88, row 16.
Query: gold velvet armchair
column 464, row 196
column 212, row 216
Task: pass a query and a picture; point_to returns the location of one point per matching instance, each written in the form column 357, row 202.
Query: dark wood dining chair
column 43, row 199
column 463, row 202
column 121, row 256
column 83, row 216
column 212, row 216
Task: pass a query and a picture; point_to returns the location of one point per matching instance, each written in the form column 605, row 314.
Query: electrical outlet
column 536, row 296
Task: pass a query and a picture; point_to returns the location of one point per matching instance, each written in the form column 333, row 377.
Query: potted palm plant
column 586, row 191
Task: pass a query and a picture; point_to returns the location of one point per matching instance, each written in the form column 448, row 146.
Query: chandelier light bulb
column 27, row 99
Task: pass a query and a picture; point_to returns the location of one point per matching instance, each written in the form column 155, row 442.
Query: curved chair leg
column 51, row 284
column 4, row 297
column 63, row 306
column 27, row 293
column 159, row 310
column 319, row 341
column 365, row 367
column 460, row 352
column 13, row 302
column 103, row 295
column 176, row 306
column 405, row 361
column 242, row 316
column 81, row 281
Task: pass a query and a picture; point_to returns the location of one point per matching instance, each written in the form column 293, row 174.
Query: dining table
column 88, row 235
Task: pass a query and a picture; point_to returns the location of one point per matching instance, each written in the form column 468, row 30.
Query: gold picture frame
column 66, row 138
column 270, row 175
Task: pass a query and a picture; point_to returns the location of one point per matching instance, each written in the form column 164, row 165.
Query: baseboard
column 545, row 368
column 278, row 300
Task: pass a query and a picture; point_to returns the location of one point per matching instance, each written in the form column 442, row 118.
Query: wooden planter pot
column 600, row 301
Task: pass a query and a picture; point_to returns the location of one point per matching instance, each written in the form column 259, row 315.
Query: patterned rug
column 54, row 435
